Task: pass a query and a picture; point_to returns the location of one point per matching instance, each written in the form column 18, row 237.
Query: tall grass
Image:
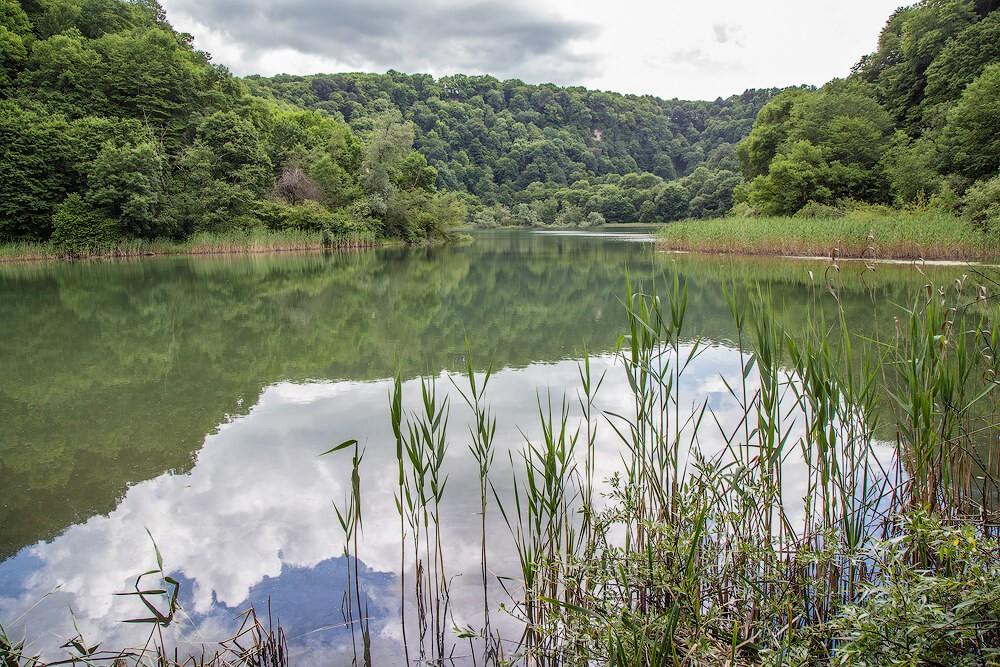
column 701, row 556
column 202, row 243
column 900, row 235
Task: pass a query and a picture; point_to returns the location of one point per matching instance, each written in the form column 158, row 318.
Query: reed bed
column 204, row 243
column 697, row 556
column 904, row 235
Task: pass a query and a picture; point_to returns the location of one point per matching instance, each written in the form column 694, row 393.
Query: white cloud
column 670, row 48
column 258, row 502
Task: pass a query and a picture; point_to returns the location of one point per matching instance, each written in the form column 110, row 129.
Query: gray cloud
column 492, row 36
column 721, row 32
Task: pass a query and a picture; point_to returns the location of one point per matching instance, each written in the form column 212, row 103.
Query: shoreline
column 157, row 249
column 904, row 236
column 983, row 260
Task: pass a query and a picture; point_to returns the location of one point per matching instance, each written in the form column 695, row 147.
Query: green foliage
column 923, row 615
column 981, row 206
column 194, row 150
column 497, row 139
column 908, row 45
column 793, row 179
column 822, row 230
column 32, row 177
column 672, row 202
column 770, row 132
column 972, row 135
column 962, row 60
column 307, row 216
column 102, row 99
column 417, row 215
column 497, row 215
column 390, row 140
column 916, row 121
column 126, row 182
column 814, row 209
column 77, row 228
column 910, row 167
column 13, row 55
column 816, row 146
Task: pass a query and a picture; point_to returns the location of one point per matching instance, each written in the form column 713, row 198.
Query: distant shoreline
column 903, row 238
column 200, row 245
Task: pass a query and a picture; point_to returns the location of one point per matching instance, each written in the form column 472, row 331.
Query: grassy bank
column 230, row 243
column 903, row 235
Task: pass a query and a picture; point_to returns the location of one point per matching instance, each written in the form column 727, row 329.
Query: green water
column 177, row 393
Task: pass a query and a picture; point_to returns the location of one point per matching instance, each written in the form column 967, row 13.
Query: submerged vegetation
column 777, row 528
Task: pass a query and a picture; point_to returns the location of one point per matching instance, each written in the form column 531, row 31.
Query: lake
column 192, row 397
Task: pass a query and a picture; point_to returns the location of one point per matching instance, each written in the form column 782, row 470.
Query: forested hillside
column 917, row 124
column 112, row 127
column 565, row 151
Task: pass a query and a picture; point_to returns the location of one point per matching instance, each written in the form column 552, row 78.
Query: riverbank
column 232, row 243
column 902, row 236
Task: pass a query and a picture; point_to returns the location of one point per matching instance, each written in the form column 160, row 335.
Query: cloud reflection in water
column 253, row 521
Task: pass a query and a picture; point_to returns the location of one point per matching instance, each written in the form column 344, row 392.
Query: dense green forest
column 916, row 124
column 113, row 126
column 550, row 154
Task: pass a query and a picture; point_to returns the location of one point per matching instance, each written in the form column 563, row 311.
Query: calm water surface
column 192, row 397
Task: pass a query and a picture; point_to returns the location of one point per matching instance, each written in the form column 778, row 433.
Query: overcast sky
column 672, row 48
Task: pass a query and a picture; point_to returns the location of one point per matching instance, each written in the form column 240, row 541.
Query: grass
column 203, row 243
column 714, row 562
column 904, row 235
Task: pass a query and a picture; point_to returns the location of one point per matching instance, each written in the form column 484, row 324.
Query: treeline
column 545, row 154
column 112, row 126
column 917, row 124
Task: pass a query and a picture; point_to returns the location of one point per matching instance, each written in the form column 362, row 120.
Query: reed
column 702, row 557
column 901, row 235
column 202, row 243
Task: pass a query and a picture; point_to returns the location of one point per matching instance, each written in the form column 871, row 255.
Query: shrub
column 571, row 216
column 814, row 209
column 743, row 210
column 981, row 206
column 77, row 228
column 308, row 216
column 923, row 615
column 493, row 216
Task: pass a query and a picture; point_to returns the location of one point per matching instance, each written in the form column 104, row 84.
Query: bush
column 919, row 615
column 493, row 216
column 571, row 216
column 309, row 216
column 744, row 210
column 981, row 206
column 815, row 209
column 77, row 228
